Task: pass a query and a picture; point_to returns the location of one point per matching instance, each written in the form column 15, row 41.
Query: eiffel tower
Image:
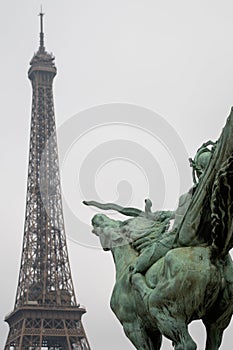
column 46, row 314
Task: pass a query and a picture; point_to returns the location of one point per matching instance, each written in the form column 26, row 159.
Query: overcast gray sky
column 174, row 58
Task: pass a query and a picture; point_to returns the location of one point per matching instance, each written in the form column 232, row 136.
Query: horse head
column 110, row 232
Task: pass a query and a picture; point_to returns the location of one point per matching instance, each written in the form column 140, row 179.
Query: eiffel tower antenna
column 41, row 14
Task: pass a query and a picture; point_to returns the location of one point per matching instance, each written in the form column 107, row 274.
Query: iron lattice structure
column 46, row 314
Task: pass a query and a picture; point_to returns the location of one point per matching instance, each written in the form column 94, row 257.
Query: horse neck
column 123, row 257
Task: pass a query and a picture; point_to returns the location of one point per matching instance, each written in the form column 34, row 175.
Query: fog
column 171, row 61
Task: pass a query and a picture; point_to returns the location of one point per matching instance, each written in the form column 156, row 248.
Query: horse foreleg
column 170, row 324
column 183, row 339
column 137, row 334
column 175, row 330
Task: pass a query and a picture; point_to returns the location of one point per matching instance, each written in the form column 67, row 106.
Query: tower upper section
column 42, row 61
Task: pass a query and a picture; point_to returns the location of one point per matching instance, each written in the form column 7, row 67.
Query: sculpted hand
column 141, row 243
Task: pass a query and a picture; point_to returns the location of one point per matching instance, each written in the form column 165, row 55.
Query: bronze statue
column 168, row 277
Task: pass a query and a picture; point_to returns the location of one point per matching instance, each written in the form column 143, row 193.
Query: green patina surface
column 166, row 277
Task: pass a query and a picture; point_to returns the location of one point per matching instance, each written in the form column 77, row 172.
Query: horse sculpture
column 180, row 287
column 166, row 278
